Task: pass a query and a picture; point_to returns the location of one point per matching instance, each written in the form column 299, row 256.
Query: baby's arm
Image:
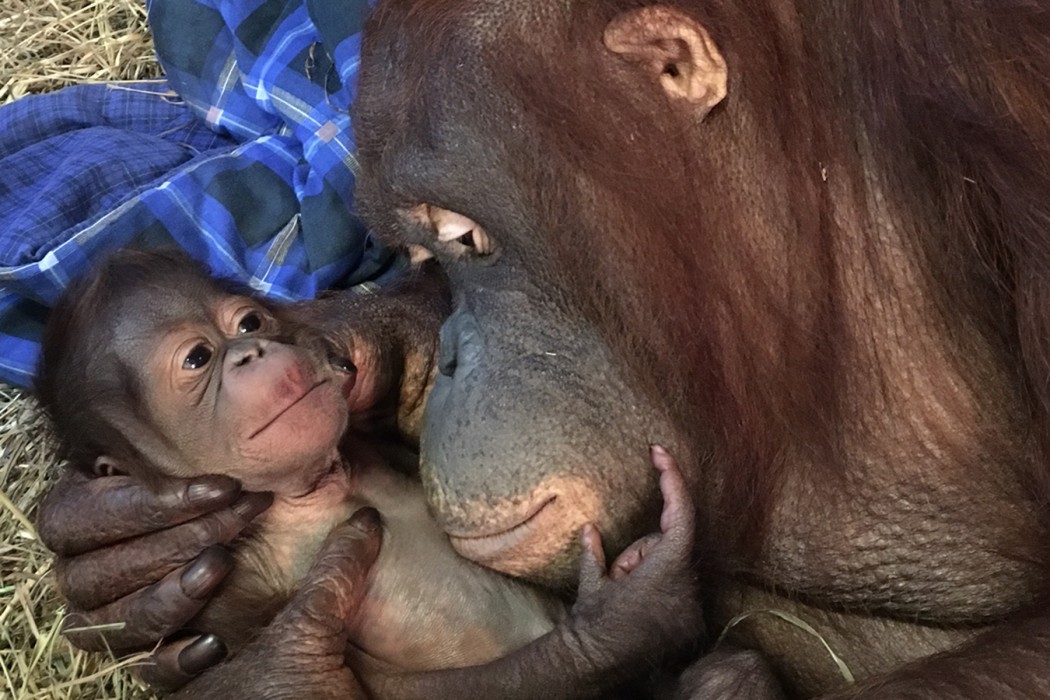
column 624, row 618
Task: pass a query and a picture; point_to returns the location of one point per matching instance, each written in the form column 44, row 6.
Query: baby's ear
column 107, row 466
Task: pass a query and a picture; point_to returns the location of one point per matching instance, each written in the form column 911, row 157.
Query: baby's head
column 151, row 366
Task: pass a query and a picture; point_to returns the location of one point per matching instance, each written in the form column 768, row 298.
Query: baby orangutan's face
column 231, row 392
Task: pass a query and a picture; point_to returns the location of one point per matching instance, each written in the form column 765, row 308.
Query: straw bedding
column 45, row 45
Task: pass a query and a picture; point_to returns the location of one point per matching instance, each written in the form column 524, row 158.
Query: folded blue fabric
column 243, row 157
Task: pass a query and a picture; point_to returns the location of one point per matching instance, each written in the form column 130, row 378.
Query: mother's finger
column 175, row 664
column 143, row 618
column 82, row 513
column 335, row 585
column 99, row 577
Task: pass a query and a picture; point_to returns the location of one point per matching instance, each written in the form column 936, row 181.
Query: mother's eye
column 198, row 357
column 249, row 323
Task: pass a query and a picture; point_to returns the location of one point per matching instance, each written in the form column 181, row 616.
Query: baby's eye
column 249, row 323
column 198, row 357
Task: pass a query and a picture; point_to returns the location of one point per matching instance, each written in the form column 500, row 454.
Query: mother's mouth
column 488, row 548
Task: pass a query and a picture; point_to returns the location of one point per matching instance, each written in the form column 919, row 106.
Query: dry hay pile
column 45, row 45
column 48, row 44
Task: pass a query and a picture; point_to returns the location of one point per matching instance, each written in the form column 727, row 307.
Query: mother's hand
column 143, row 562
column 301, row 654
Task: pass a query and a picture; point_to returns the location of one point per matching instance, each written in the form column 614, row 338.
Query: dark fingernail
column 202, row 655
column 210, row 567
column 366, row 520
column 251, row 504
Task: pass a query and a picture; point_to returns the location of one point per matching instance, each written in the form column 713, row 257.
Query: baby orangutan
column 152, row 367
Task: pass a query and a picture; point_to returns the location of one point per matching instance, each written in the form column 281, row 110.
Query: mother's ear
column 675, row 50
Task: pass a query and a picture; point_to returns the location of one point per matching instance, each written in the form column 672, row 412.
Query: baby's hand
column 648, row 601
column 646, row 606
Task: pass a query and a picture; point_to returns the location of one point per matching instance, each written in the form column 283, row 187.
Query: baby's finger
column 678, row 519
column 632, row 557
column 592, row 561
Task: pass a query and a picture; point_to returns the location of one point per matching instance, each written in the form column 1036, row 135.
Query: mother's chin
column 529, row 433
column 536, row 537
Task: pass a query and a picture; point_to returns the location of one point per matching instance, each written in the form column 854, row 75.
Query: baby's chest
column 287, row 550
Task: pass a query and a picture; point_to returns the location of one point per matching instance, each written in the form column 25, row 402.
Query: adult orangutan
column 802, row 243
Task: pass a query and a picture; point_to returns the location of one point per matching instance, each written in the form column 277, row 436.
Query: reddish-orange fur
column 964, row 162
column 836, row 284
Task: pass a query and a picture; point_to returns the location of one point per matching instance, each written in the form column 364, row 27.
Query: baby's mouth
column 276, row 417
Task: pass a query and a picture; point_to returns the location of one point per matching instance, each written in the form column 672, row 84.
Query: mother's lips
column 492, row 547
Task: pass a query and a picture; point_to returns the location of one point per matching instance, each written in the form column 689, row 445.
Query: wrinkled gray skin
column 529, row 388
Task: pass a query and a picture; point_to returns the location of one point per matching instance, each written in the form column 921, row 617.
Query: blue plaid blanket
column 243, row 157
